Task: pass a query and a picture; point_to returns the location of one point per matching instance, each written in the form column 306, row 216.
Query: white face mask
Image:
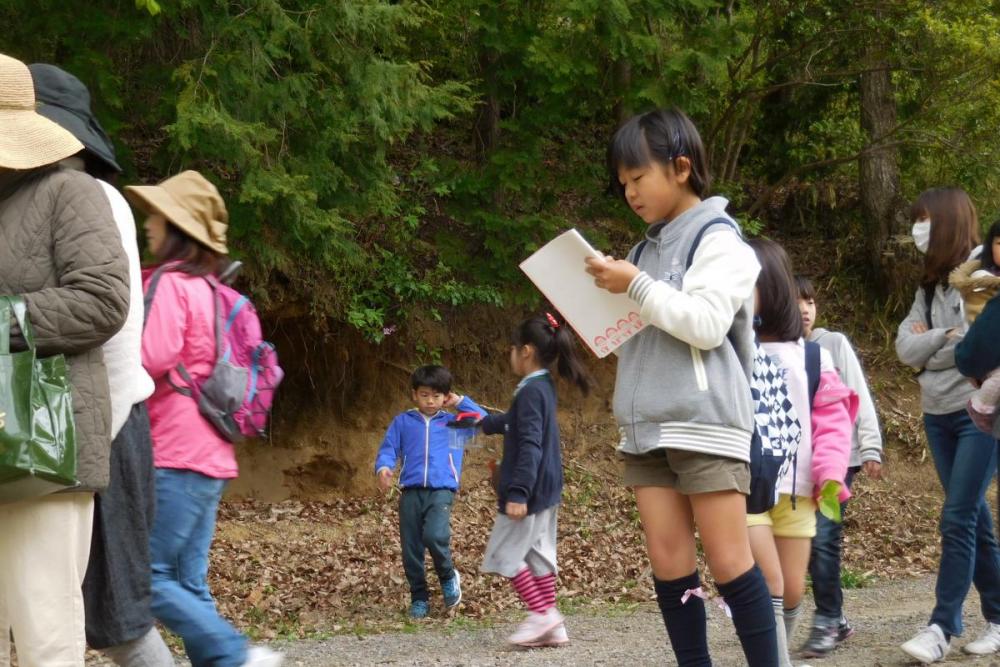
column 922, row 234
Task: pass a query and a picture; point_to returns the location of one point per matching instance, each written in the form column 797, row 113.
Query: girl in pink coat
column 781, row 538
column 186, row 231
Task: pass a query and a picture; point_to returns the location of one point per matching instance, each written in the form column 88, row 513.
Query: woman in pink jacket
column 781, row 538
column 186, row 231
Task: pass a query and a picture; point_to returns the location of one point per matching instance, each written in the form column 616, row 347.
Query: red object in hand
column 464, row 420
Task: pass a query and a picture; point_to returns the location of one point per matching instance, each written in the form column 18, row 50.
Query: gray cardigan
column 943, row 389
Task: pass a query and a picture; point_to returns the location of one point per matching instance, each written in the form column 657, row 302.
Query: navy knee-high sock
column 750, row 603
column 685, row 620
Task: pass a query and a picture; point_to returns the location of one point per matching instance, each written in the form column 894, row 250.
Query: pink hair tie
column 553, row 322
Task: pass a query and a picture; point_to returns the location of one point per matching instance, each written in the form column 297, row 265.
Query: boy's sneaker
column 929, row 645
column 262, row 656
column 535, row 627
column 452, row 590
column 419, row 609
column 555, row 638
column 986, row 643
column 822, row 640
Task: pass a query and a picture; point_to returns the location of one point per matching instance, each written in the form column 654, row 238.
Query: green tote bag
column 37, row 432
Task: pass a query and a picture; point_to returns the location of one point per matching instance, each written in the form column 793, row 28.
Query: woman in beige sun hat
column 186, row 233
column 61, row 252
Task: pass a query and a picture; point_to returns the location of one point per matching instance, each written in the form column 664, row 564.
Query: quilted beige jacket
column 60, row 250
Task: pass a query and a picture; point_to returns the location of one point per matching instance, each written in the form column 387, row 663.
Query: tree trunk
column 623, row 85
column 879, row 173
column 488, row 120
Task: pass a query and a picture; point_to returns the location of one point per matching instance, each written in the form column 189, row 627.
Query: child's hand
column 453, row 400
column 516, row 511
column 829, row 500
column 614, row 275
column 919, row 328
column 385, row 479
column 873, row 469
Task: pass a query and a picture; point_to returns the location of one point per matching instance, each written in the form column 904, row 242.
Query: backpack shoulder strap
column 929, row 304
column 638, row 251
column 147, row 299
column 217, row 311
column 701, row 233
column 813, row 369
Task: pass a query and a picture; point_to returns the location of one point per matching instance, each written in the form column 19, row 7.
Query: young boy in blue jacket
column 430, row 457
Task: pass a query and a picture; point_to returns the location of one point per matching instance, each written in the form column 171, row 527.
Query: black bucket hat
column 64, row 99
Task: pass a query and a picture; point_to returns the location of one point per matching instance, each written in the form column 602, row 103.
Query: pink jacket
column 833, row 413
column 180, row 329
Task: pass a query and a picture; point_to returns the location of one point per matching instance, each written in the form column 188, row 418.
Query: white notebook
column 603, row 320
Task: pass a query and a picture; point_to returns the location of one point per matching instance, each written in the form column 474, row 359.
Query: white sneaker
column 929, row 645
column 535, row 627
column 262, row 656
column 986, row 643
column 556, row 637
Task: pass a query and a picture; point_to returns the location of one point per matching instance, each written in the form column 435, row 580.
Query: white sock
column 792, row 621
column 784, row 659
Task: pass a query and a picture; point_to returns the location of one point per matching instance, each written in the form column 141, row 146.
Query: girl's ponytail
column 570, row 367
column 554, row 342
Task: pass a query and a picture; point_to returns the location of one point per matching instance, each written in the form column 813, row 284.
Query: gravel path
column 884, row 615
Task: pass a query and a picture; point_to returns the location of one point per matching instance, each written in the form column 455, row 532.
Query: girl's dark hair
column 552, row 343
column 195, row 259
column 805, row 287
column 954, row 231
column 658, row 136
column 987, row 257
column 777, row 300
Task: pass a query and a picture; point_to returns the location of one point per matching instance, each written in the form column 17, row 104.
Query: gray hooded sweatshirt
column 866, row 444
column 683, row 381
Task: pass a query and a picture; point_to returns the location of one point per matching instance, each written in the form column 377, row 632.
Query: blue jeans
column 186, row 505
column 425, row 525
column 824, row 565
column 966, row 460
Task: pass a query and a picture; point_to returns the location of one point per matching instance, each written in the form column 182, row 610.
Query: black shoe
column 844, row 630
column 821, row 641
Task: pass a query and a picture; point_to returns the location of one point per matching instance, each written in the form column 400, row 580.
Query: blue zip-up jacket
column 422, row 445
column 531, row 468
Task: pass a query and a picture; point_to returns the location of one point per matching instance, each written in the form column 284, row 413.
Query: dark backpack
column 777, row 429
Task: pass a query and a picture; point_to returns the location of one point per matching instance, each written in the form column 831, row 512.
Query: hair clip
column 553, row 322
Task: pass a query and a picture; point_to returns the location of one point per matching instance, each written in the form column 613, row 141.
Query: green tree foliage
column 382, row 157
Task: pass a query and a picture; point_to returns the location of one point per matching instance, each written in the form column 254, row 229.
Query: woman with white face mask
column 946, row 230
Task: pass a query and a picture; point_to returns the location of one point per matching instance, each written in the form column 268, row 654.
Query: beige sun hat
column 27, row 139
column 191, row 203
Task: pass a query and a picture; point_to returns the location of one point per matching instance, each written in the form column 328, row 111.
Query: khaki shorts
column 787, row 522
column 687, row 472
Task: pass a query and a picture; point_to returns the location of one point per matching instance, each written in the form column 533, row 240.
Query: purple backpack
column 237, row 397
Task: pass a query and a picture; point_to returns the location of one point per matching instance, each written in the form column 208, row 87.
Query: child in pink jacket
column 780, row 539
column 186, row 232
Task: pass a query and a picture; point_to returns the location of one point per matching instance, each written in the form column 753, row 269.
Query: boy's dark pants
column 824, row 565
column 425, row 525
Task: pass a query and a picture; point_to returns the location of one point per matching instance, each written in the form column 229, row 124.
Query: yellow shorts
column 787, row 522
